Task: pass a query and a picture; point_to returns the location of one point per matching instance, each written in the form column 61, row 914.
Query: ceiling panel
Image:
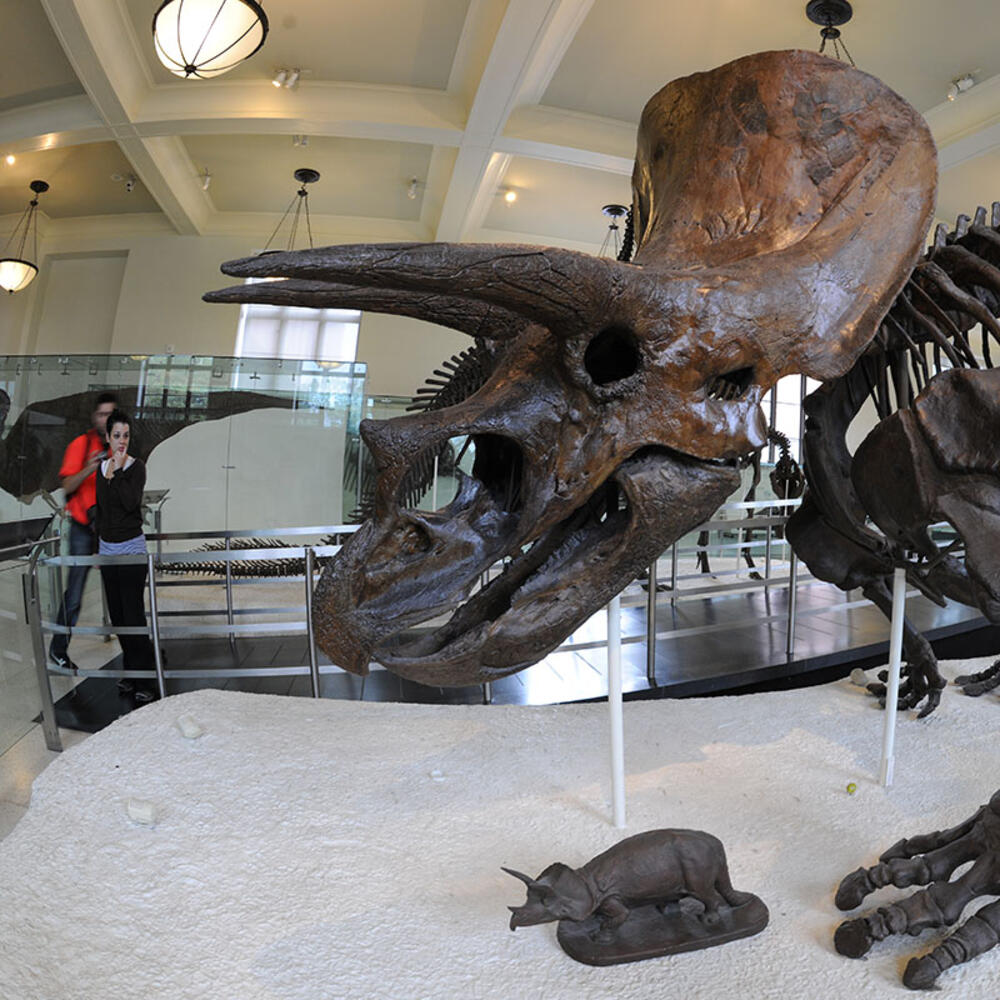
column 396, row 42
column 359, row 177
column 557, row 200
column 627, row 49
column 34, row 68
column 80, row 183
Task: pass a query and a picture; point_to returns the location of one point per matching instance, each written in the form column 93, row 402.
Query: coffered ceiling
column 470, row 97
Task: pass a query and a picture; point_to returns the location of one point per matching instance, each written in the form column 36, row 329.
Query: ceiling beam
column 100, row 45
column 68, row 121
column 361, row 111
column 529, row 46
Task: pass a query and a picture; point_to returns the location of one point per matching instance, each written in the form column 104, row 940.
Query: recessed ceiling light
column 510, row 196
column 10, row 159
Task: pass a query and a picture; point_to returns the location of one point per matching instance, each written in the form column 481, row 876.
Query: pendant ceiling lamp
column 16, row 271
column 203, row 38
column 300, row 204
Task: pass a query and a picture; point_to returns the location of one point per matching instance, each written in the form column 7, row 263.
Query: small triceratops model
column 626, row 904
column 779, row 204
column 930, row 860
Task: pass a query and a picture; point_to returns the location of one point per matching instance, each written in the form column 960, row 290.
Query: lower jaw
column 542, row 612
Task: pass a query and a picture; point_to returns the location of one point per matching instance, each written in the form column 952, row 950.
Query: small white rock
column 436, row 775
column 141, row 811
column 859, row 677
column 190, row 727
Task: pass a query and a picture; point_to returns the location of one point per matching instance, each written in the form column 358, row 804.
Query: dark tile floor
column 726, row 644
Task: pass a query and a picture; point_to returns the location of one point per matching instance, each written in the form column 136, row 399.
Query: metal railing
column 731, row 524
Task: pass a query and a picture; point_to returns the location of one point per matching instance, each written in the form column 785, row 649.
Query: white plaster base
column 308, row 850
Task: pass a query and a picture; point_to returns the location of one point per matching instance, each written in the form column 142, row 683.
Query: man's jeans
column 81, row 543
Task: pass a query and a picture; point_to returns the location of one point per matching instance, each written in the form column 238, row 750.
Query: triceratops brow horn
column 477, row 319
column 561, row 289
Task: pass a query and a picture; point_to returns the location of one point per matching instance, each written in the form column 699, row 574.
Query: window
column 267, row 331
column 783, row 408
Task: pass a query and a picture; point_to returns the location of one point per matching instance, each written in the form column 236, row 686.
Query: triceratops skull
column 779, row 204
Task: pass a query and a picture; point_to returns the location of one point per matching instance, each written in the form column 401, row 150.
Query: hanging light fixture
column 17, row 272
column 300, row 202
column 612, row 244
column 203, row 38
column 828, row 14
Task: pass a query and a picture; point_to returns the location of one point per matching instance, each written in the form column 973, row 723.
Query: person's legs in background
column 138, row 648
column 81, row 543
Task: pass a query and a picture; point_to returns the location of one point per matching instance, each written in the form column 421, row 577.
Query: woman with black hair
column 119, row 529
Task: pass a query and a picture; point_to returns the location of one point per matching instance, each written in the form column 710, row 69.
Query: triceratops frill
column 780, row 202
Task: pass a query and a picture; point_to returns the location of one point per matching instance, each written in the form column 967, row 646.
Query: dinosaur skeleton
column 933, row 456
column 930, row 860
column 625, row 395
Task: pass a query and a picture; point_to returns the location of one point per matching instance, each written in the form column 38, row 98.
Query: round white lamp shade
column 203, row 38
column 16, row 274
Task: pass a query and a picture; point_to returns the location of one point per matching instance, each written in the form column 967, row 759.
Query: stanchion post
column 651, row 624
column 310, row 630
column 154, row 622
column 615, row 710
column 895, row 660
column 229, row 591
column 793, row 579
column 32, row 604
column 673, row 573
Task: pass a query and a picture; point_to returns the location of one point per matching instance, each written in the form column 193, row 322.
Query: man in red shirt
column 80, row 462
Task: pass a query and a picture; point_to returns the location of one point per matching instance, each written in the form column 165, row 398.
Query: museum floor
column 705, row 646
column 341, row 850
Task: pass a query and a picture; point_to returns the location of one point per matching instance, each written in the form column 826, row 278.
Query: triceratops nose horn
column 526, row 879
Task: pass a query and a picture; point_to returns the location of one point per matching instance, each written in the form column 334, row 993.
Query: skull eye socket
column 612, row 355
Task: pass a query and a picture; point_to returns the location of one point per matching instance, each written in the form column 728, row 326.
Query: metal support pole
column 154, row 622
column 434, row 486
column 33, row 608
column 767, row 549
column 793, row 574
column 488, row 693
column 651, row 625
column 895, row 660
column 158, row 528
column 673, row 573
column 310, row 630
column 615, row 710
column 229, row 592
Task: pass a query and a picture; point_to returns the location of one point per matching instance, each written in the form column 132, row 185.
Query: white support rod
column 615, row 710
column 434, row 486
column 895, row 660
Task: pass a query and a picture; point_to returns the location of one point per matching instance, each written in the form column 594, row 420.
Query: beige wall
column 159, row 308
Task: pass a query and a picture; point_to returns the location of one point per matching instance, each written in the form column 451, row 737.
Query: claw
column 921, row 973
column 853, row 938
column 853, row 890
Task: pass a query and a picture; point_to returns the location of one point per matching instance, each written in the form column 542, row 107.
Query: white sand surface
column 305, row 850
